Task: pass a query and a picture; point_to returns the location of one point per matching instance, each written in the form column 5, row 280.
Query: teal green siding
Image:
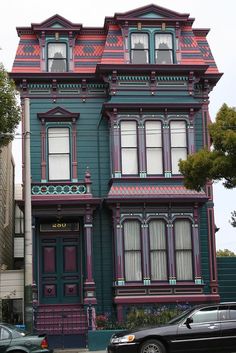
column 204, row 248
column 226, row 267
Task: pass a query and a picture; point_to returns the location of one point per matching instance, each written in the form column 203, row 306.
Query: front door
column 60, row 269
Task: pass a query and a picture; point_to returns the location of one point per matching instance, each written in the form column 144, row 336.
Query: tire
column 152, row 346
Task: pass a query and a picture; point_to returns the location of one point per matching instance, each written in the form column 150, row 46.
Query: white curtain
column 165, row 39
column 157, row 236
column 59, row 153
column 57, row 59
column 154, row 156
column 139, row 41
column 56, row 48
column 129, row 153
column 183, row 250
column 132, row 247
column 139, row 48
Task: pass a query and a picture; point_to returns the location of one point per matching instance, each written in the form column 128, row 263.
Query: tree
column 220, row 162
column 225, row 252
column 9, row 109
column 233, row 219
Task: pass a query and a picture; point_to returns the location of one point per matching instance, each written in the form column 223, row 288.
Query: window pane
column 164, row 57
column 163, row 41
column 128, row 134
column 129, row 161
column 154, row 161
column 132, row 247
column 58, row 140
column 178, row 134
column 57, row 57
column 139, row 41
column 183, row 235
column 176, row 155
column 153, row 134
column 205, row 315
column 157, row 238
column 59, row 167
column 232, row 313
column 184, row 271
column 139, row 48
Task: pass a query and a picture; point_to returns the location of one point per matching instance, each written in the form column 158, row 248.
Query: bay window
column 178, row 139
column 139, row 48
column 153, row 137
column 58, row 153
column 158, row 250
column 183, row 250
column 163, row 49
column 132, row 251
column 57, row 57
column 129, row 148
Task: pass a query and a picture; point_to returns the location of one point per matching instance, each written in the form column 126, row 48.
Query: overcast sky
column 217, row 15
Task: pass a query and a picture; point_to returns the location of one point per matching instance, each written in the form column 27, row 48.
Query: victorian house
column 112, row 111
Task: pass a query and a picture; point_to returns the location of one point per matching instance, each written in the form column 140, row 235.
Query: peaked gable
column 58, row 114
column 152, row 12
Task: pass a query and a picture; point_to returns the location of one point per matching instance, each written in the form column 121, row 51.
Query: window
column 178, row 144
column 129, row 150
column 153, row 131
column 163, row 49
column 59, row 154
column 139, row 48
column 183, row 250
column 158, row 250
column 132, row 250
column 4, row 334
column 205, row 315
column 57, row 58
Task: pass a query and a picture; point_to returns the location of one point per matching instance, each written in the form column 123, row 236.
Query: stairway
column 61, row 319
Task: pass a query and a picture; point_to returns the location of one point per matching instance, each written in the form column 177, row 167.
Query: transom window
column 163, row 49
column 178, row 137
column 183, row 250
column 129, row 148
column 153, row 134
column 59, row 153
column 57, row 57
column 139, row 48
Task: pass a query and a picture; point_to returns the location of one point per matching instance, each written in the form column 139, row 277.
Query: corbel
column 191, row 82
column 84, row 89
column 54, row 90
column 153, row 82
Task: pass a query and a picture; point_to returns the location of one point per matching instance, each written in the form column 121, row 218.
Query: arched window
column 158, row 250
column 178, row 139
column 183, row 250
column 132, row 250
column 139, row 48
column 153, row 138
column 129, row 147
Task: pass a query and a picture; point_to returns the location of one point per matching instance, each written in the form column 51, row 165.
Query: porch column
column 89, row 284
column 197, row 264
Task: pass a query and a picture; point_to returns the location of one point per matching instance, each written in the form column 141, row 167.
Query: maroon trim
column 155, row 106
column 189, row 298
column 58, row 114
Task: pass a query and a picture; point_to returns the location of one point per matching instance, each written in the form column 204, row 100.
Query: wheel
column 152, row 346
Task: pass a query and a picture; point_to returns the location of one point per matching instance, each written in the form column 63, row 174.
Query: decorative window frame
column 48, row 42
column 52, row 118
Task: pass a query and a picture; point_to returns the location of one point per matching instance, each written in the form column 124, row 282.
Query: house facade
column 112, row 110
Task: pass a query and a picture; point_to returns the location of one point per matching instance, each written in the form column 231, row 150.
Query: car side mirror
column 188, row 321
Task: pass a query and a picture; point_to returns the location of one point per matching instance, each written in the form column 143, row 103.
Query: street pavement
column 78, row 350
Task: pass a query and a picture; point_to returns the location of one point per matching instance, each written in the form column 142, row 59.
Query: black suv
column 205, row 328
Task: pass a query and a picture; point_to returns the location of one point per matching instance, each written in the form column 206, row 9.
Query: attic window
column 163, row 49
column 57, row 57
column 139, row 48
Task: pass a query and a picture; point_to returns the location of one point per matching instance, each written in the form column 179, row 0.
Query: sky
column 218, row 16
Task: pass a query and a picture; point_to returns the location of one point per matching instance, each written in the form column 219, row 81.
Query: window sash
column 129, row 150
column 139, row 48
column 154, row 161
column 132, row 250
column 178, row 140
column 163, row 49
column 183, row 250
column 158, row 250
column 57, row 57
column 58, row 154
column 176, row 155
column 154, row 157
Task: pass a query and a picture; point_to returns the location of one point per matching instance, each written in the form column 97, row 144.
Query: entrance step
column 61, row 319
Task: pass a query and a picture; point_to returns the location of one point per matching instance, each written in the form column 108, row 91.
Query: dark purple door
column 60, row 269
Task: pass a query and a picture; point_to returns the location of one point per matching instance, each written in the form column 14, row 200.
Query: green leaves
column 218, row 164
column 9, row 108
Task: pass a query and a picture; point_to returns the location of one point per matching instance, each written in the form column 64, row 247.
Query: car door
column 228, row 327
column 202, row 334
column 5, row 339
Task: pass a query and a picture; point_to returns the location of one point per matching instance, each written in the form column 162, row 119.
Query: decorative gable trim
column 53, row 24
column 58, row 114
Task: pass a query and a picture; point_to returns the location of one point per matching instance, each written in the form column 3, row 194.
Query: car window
column 4, row 334
column 205, row 315
column 232, row 312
